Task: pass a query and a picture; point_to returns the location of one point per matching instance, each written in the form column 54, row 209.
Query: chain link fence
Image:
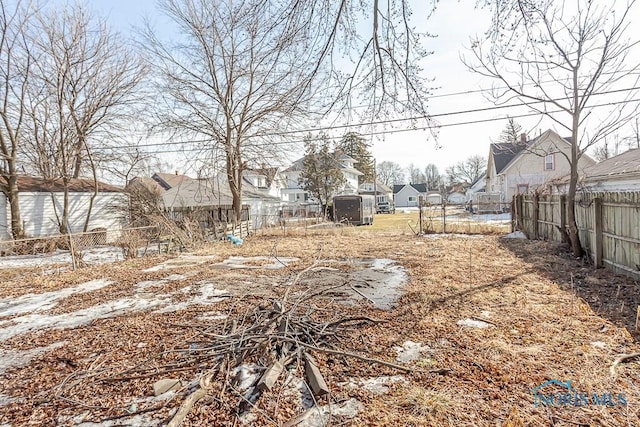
column 78, row 249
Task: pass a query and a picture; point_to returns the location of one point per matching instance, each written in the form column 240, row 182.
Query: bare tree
column 468, row 171
column 432, row 177
column 511, row 133
column 390, row 173
column 633, row 140
column 16, row 65
column 557, row 57
column 238, row 73
column 415, row 175
column 241, row 73
column 87, row 82
column 605, row 150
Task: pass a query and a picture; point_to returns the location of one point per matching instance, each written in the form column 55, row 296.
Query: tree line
column 237, row 79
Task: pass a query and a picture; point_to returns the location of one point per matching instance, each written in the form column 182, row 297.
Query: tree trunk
column 17, row 231
column 95, row 192
column 64, row 229
column 576, row 247
column 234, row 176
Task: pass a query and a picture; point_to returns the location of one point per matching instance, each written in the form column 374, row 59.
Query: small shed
column 618, row 173
column 202, row 200
column 433, row 198
column 41, row 206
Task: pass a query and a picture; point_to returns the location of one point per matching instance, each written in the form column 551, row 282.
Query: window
column 523, row 188
column 412, row 199
column 549, row 162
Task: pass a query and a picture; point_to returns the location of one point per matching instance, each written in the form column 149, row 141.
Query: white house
column 383, row 192
column 529, row 166
column 476, row 188
column 407, row 195
column 41, row 206
column 294, row 193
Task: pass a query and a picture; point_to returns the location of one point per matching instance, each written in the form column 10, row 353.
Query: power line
column 391, row 121
column 420, row 128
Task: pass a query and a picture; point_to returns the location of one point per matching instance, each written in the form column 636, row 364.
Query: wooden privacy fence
column 608, row 223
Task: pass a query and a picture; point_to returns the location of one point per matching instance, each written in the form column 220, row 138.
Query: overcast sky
column 454, row 23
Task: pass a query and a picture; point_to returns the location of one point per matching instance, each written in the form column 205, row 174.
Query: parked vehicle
column 354, row 209
column 385, row 207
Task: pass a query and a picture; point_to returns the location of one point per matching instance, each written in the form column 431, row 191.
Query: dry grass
column 543, row 307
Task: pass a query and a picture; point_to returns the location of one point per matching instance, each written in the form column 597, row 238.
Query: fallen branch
column 187, row 405
column 349, row 354
column 619, row 360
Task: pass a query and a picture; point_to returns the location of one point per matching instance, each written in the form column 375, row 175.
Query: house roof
column 34, row 184
column 169, row 180
column 267, row 172
column 196, row 193
column 149, row 184
column 251, row 191
column 420, row 188
column 504, row 153
column 625, row 164
column 351, row 170
column 381, row 187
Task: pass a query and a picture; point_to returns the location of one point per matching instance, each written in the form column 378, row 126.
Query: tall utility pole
column 375, row 183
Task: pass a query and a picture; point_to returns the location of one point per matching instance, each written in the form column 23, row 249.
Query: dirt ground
column 484, row 330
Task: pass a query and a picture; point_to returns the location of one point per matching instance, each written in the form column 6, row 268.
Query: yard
column 430, row 331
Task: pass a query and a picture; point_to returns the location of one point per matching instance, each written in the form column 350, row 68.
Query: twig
column 619, row 360
column 354, row 289
column 349, row 354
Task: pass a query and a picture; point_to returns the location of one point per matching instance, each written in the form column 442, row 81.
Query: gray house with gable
column 407, row 195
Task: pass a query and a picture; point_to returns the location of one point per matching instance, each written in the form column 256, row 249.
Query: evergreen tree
column 321, row 175
column 354, row 145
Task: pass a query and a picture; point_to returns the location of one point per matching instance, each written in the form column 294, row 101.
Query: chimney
column 523, row 138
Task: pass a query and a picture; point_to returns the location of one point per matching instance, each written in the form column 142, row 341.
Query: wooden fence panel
column 608, row 224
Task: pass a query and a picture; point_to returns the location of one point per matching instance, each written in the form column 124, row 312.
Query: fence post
column 563, row 213
column 597, row 251
column 514, row 213
column 536, row 215
column 420, row 203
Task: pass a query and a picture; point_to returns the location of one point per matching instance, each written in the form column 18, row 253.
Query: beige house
column 530, row 165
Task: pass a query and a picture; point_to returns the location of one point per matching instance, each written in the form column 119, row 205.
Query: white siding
column 5, row 227
column 263, row 213
column 40, row 212
column 401, row 198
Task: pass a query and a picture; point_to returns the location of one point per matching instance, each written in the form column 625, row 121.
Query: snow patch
column 411, row 351
column 20, row 358
column 472, row 323
column 515, row 235
column 148, row 283
column 375, row 385
column 39, row 302
column 185, row 260
column 92, row 256
column 269, row 263
column 321, row 416
column 77, row 318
